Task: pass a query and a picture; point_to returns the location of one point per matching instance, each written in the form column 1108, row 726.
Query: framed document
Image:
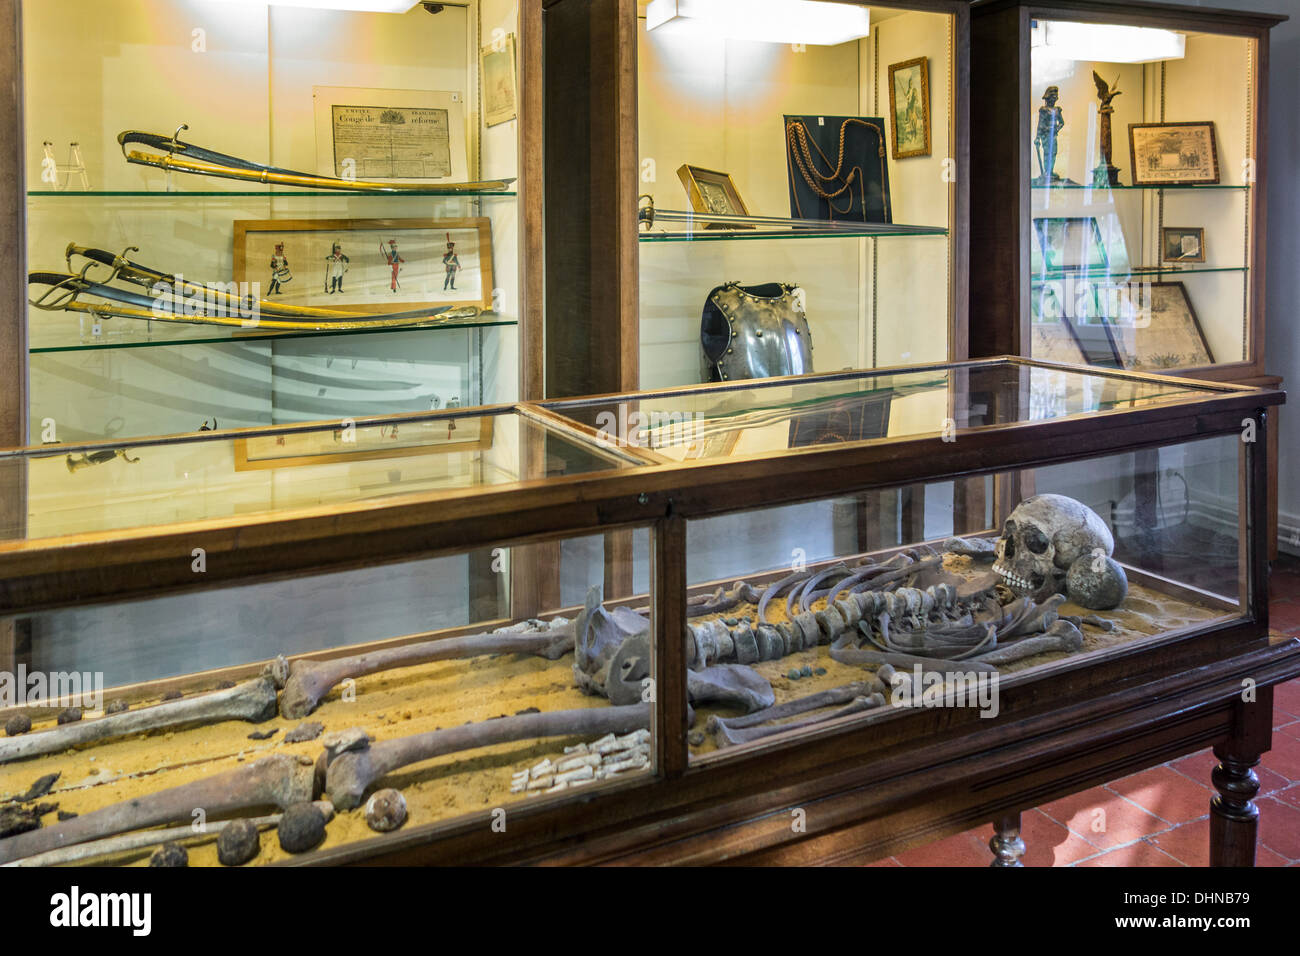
column 395, row 135
column 500, row 82
column 1173, row 154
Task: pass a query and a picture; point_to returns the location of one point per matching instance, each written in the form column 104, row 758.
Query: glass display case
column 1127, row 145
column 245, row 214
column 628, row 625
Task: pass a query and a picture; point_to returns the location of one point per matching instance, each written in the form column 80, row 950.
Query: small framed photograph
column 500, row 82
column 1160, row 331
column 1173, row 154
column 1182, row 244
column 909, row 102
column 711, row 192
column 367, row 265
column 1070, row 244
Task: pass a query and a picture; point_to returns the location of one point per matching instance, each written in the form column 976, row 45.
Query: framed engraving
column 390, row 135
column 1182, row 244
column 500, row 82
column 711, row 192
column 1173, row 154
column 367, row 265
column 909, row 104
column 1160, row 331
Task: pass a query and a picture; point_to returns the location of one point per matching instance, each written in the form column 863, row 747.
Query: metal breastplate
column 754, row 332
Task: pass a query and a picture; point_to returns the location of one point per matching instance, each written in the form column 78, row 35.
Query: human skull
column 1042, row 538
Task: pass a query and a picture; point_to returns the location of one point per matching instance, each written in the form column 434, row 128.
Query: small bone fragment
column 351, row 774
column 572, row 763
column 279, row 780
column 541, row 783
column 581, row 773
column 253, row 701
column 309, row 681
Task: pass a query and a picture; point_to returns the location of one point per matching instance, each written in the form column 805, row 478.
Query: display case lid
column 102, row 522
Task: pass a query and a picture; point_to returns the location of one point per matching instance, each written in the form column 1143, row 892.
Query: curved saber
column 132, row 305
column 188, row 158
column 149, row 277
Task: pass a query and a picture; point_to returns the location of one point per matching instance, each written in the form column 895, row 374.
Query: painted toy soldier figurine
column 280, row 273
column 1106, row 173
column 336, row 264
column 1050, row 122
column 451, row 263
column 394, row 261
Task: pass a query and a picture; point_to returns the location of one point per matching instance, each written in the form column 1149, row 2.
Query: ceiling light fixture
column 771, row 21
column 1107, row 42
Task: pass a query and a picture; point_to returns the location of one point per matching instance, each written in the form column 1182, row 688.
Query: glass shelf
column 258, row 194
column 1077, row 186
column 160, row 337
column 1139, row 271
column 701, row 227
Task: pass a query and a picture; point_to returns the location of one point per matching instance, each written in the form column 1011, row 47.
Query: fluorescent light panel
column 769, row 21
column 1107, row 42
column 359, row 6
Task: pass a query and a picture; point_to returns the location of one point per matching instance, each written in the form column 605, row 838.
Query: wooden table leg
column 1007, row 846
column 1234, row 818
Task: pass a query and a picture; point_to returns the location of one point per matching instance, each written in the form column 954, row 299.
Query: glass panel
column 459, row 668
column 740, row 141
column 772, row 416
column 1079, row 559
column 1141, row 196
column 106, row 488
column 375, row 99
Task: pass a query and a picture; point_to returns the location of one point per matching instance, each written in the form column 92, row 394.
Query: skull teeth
column 1012, row 579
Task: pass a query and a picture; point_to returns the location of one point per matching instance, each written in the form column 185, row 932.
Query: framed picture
column 1072, row 243
column 367, row 265
column 500, row 82
column 397, row 135
column 1071, row 332
column 473, row 433
column 909, row 102
column 1173, row 154
column 1161, row 331
column 711, row 192
column 1182, row 244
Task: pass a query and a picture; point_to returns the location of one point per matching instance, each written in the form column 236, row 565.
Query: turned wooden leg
column 1234, row 818
column 1006, row 844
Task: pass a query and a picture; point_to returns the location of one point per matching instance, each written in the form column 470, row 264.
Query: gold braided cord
column 798, row 141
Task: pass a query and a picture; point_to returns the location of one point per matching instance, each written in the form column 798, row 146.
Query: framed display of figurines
column 909, row 105
column 1173, row 154
column 367, row 265
column 1139, row 326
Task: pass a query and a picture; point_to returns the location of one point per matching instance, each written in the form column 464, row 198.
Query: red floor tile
column 1290, row 795
column 887, row 861
column 1266, row 857
column 1287, row 697
column 1284, row 758
column 1166, row 794
column 1198, row 766
column 1279, row 827
column 1188, row 844
column 1291, row 730
column 1047, row 843
column 964, row 849
column 1284, row 615
column 1140, row 853
column 1102, row 818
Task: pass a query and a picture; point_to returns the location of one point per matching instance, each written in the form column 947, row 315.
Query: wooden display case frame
column 1062, row 727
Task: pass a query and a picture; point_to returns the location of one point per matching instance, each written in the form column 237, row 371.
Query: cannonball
column 117, row 705
column 18, row 724
column 301, row 827
column 386, row 810
column 170, row 854
column 69, row 715
column 1096, row 582
column 238, row 843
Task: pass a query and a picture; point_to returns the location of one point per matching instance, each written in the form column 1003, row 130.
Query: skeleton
column 1042, row 541
column 279, row 780
column 253, row 701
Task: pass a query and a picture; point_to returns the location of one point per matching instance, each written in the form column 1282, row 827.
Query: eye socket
column 1035, row 540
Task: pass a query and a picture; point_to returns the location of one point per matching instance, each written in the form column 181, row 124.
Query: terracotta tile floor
column 1159, row 817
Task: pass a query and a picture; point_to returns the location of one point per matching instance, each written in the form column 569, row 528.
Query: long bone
column 1062, row 636
column 280, row 780
column 126, row 842
column 866, row 658
column 310, row 681
column 350, row 774
column 253, row 701
column 801, row 705
column 725, row 736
